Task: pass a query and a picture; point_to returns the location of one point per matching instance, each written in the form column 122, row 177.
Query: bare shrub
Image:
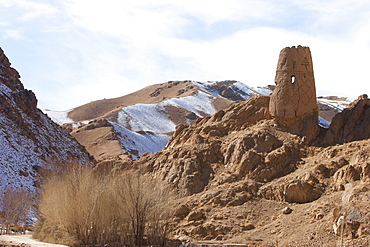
column 16, row 205
column 143, row 202
column 79, row 206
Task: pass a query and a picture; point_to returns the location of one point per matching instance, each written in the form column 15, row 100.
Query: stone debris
column 286, row 210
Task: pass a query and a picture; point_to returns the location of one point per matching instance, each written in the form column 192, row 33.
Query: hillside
column 248, row 176
column 143, row 122
column 237, row 172
column 29, row 139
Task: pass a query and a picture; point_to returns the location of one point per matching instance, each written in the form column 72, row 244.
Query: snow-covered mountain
column 29, row 139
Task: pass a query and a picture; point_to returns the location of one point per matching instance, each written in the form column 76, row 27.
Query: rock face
column 29, row 139
column 293, row 102
column 352, row 124
column 241, row 141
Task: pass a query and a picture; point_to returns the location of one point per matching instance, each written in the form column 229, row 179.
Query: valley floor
column 24, row 240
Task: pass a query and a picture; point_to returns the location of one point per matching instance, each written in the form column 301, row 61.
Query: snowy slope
column 323, row 123
column 29, row 139
column 156, row 120
column 33, row 144
column 154, row 117
column 143, row 142
column 202, row 103
column 60, row 117
column 235, row 87
column 339, row 105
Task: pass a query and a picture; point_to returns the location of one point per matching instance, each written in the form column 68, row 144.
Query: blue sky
column 71, row 52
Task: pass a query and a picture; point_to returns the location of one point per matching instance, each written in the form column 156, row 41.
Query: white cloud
column 30, row 9
column 213, row 11
column 103, row 49
column 12, row 34
column 129, row 20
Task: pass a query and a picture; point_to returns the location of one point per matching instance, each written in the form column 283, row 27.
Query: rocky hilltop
column 265, row 175
column 29, row 139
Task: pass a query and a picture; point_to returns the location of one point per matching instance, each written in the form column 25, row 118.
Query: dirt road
column 24, row 240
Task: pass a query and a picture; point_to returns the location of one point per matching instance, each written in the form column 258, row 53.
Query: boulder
column 196, row 215
column 295, row 190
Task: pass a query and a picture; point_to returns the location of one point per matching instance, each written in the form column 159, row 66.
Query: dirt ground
column 24, row 240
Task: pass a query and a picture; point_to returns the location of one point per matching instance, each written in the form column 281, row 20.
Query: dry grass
column 79, row 206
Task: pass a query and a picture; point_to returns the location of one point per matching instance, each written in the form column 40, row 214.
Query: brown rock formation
column 352, row 124
column 293, row 102
column 241, row 141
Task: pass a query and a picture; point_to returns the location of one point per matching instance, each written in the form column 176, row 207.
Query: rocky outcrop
column 236, row 118
column 260, row 155
column 242, row 141
column 351, row 218
column 29, row 139
column 296, row 190
column 352, row 124
column 293, row 102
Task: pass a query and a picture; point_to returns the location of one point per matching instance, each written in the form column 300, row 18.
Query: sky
column 72, row 52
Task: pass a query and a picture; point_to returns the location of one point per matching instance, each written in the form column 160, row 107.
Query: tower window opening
column 293, row 79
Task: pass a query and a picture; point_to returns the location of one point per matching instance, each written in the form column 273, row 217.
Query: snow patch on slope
column 244, row 91
column 248, row 91
column 146, row 117
column 60, row 117
column 323, row 123
column 263, row 90
column 4, row 89
column 147, row 142
column 199, row 104
column 17, row 155
column 154, row 117
column 339, row 105
column 213, row 88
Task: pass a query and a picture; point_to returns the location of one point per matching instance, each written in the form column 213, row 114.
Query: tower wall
column 294, row 97
column 293, row 102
